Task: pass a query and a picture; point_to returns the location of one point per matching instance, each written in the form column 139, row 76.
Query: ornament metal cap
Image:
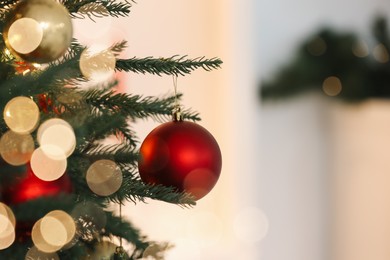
column 177, row 115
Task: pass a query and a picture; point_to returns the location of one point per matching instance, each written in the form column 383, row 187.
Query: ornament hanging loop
column 176, row 113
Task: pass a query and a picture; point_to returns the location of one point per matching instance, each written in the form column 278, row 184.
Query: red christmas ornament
column 183, row 155
column 23, row 67
column 21, row 185
column 46, row 105
column 28, row 187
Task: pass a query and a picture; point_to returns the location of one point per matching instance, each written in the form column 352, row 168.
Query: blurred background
column 299, row 110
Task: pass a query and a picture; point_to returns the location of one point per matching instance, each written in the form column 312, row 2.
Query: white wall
column 299, row 166
column 293, row 178
column 360, row 180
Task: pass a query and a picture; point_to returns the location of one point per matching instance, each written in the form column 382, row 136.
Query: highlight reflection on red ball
column 183, row 155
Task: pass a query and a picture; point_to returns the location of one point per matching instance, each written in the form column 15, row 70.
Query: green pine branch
column 118, row 47
column 45, row 81
column 136, row 106
column 133, row 189
column 36, row 209
column 175, row 65
column 119, row 227
column 126, row 136
column 99, row 127
column 67, row 71
column 74, row 52
column 120, row 153
column 97, row 8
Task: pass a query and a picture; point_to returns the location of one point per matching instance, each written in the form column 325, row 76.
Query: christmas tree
column 68, row 151
column 339, row 64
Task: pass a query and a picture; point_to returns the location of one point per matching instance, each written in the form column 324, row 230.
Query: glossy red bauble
column 183, row 155
column 25, row 187
column 19, row 184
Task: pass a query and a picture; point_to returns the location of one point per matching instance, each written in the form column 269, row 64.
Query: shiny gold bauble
column 38, row 30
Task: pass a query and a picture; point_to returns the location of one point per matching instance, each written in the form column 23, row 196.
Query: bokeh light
column 7, row 218
column 56, row 132
column 53, row 231
column 21, row 115
column 97, row 65
column 381, row 53
column 332, row 86
column 48, row 168
column 16, row 149
column 34, row 254
column 251, row 225
column 199, row 182
column 104, row 177
column 360, row 49
column 25, row 35
column 317, row 46
column 7, row 237
column 7, row 233
column 7, row 226
column 40, row 242
column 66, row 223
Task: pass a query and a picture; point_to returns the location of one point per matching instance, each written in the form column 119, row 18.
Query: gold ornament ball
column 38, row 30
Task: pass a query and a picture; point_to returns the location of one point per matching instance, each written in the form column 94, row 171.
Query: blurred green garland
column 337, row 64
